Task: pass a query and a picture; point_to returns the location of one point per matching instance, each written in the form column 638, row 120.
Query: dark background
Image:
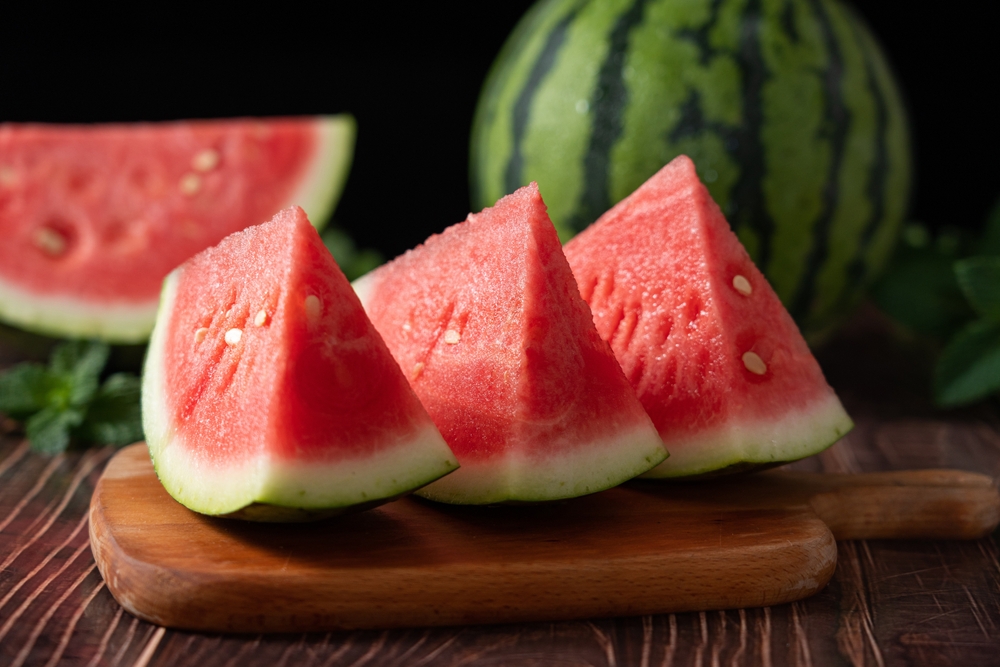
column 411, row 77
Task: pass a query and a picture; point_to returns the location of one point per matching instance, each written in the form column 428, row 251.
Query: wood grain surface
column 639, row 549
column 890, row 602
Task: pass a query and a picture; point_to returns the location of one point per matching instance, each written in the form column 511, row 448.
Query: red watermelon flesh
column 712, row 354
column 487, row 323
column 267, row 391
column 94, row 217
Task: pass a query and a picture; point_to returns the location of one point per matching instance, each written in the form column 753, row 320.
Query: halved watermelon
column 268, row 394
column 714, row 357
column 93, row 217
column 487, row 323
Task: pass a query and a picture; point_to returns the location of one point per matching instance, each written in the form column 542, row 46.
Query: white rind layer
column 129, row 322
column 263, row 481
column 794, row 436
column 326, row 175
column 66, row 317
column 582, row 469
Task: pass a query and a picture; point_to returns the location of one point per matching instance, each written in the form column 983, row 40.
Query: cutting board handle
column 907, row 504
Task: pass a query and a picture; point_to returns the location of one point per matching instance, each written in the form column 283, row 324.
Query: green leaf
column 80, row 362
column 989, row 244
column 48, row 431
column 921, row 292
column 969, row 367
column 979, row 278
column 24, row 390
column 115, row 415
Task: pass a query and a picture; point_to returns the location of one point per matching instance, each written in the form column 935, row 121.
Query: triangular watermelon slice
column 268, row 394
column 712, row 354
column 487, row 323
column 93, row 217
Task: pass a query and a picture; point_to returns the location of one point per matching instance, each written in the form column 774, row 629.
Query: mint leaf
column 115, row 416
column 969, row 367
column 979, row 278
column 80, row 363
column 989, row 244
column 353, row 262
column 921, row 292
column 48, row 431
column 24, row 390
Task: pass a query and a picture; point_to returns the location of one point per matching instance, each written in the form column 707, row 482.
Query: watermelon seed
column 205, row 160
column 233, row 336
column 742, row 285
column 8, row 175
column 50, row 241
column 418, row 368
column 452, row 337
column 313, row 307
column 754, row 363
column 200, row 334
column 190, row 184
column 261, row 318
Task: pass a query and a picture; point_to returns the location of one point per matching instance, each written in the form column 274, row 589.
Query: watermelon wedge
column 92, row 218
column 487, row 323
column 267, row 393
column 712, row 354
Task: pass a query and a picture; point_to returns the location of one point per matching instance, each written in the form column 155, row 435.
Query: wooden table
column 889, row 603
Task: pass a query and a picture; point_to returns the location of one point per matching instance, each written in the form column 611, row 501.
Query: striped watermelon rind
column 789, row 110
column 125, row 323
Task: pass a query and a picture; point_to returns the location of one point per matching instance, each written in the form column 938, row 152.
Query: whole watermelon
column 787, row 107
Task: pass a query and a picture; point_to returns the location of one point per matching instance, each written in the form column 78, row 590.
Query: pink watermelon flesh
column 712, row 354
column 487, row 323
column 267, row 391
column 94, row 217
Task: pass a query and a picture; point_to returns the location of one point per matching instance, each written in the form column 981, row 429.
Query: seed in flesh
column 313, row 307
column 190, row 184
column 452, row 337
column 261, row 318
column 200, row 334
column 742, row 285
column 233, row 336
column 754, row 363
column 50, row 241
column 205, row 160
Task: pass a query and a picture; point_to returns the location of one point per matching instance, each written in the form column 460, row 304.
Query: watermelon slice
column 93, row 217
column 488, row 325
column 268, row 394
column 712, row 354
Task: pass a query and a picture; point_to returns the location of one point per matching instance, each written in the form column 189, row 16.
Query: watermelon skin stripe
column 787, row 107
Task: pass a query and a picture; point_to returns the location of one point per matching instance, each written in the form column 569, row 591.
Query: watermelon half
column 267, row 393
column 487, row 323
column 712, row 354
column 92, row 218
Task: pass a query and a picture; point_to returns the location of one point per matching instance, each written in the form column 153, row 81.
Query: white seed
column 205, row 160
column 754, row 363
column 233, row 336
column 406, row 326
column 200, row 334
column 313, row 307
column 8, row 175
column 261, row 318
column 742, row 285
column 50, row 241
column 418, row 368
column 190, row 184
column 452, row 337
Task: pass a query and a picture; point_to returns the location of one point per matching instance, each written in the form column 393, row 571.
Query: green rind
column 321, row 189
column 268, row 490
column 124, row 323
column 787, row 107
column 584, row 468
column 791, row 437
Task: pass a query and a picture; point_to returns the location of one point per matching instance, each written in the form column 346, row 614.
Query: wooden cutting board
column 640, row 549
